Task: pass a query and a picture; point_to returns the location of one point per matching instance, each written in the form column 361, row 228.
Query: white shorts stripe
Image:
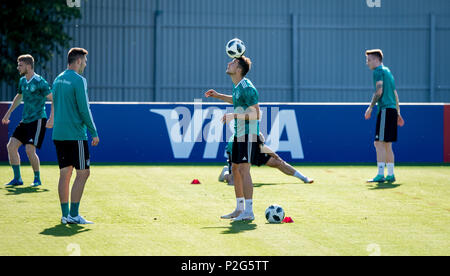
column 382, row 125
column 38, row 132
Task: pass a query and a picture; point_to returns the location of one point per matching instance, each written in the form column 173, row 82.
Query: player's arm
column 50, row 120
column 251, row 114
column 214, row 94
column 400, row 120
column 16, row 102
column 376, row 96
column 85, row 111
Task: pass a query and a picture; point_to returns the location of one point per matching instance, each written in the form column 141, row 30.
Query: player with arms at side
column 388, row 116
column 72, row 118
column 33, row 90
column 246, row 142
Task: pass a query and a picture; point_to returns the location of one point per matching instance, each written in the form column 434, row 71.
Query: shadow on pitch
column 64, row 230
column 257, row 185
column 24, row 190
column 383, row 186
column 236, row 227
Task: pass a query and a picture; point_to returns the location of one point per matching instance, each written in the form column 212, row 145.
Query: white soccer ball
column 274, row 214
column 235, row 48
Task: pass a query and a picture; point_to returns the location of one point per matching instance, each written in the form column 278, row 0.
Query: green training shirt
column 71, row 106
column 244, row 96
column 34, row 93
column 387, row 100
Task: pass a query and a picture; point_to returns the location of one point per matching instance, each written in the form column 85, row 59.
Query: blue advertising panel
column 193, row 132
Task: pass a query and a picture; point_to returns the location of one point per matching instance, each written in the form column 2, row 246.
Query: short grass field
column 154, row 210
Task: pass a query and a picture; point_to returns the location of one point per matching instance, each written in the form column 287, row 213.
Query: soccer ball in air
column 274, row 214
column 235, row 48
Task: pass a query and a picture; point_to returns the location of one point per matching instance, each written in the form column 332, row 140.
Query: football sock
column 300, row 176
column 37, row 176
column 381, row 168
column 249, row 205
column 74, row 209
column 240, row 203
column 16, row 170
column 65, row 209
column 390, row 167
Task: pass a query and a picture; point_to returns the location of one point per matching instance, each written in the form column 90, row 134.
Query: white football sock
column 240, row 203
column 249, row 205
column 390, row 167
column 300, row 176
column 381, row 168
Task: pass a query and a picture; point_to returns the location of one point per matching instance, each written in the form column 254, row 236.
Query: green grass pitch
column 154, row 210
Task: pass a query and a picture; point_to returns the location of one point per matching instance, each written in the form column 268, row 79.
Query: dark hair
column 76, row 53
column 245, row 64
column 375, row 52
column 27, row 59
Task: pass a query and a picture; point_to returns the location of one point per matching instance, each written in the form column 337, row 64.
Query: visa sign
column 186, row 128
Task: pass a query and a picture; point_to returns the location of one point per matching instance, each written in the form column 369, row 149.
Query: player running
column 72, row 117
column 266, row 156
column 245, row 146
column 388, row 116
column 34, row 91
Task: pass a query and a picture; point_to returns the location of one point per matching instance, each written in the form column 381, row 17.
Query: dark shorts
column 386, row 129
column 248, row 151
column 31, row 133
column 73, row 153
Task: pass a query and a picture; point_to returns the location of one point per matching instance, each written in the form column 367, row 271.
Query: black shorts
column 248, row 151
column 73, row 153
column 31, row 133
column 386, row 129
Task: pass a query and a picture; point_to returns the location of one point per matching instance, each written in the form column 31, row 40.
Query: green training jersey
column 71, row 106
column 34, row 93
column 382, row 73
column 244, row 96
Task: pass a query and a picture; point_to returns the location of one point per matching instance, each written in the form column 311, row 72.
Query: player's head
column 239, row 66
column 77, row 60
column 374, row 58
column 25, row 64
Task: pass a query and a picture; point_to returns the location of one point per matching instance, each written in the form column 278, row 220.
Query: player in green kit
column 73, row 118
column 246, row 141
column 388, row 116
column 34, row 91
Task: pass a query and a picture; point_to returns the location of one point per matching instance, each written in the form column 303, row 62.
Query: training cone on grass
column 195, row 181
column 287, row 220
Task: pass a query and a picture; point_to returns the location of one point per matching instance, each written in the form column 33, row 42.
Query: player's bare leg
column 78, row 185
column 287, row 169
column 239, row 192
column 75, row 197
column 244, row 170
column 14, row 160
column 35, row 163
column 381, row 159
column 13, row 151
column 64, row 181
column 389, row 162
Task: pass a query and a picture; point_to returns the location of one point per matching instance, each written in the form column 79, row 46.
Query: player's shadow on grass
column 64, row 230
column 383, row 186
column 257, row 185
column 236, row 227
column 24, row 190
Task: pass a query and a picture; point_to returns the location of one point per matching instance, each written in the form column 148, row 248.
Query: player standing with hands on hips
column 388, row 116
column 72, row 118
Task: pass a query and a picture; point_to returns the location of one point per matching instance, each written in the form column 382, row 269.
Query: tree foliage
column 33, row 27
